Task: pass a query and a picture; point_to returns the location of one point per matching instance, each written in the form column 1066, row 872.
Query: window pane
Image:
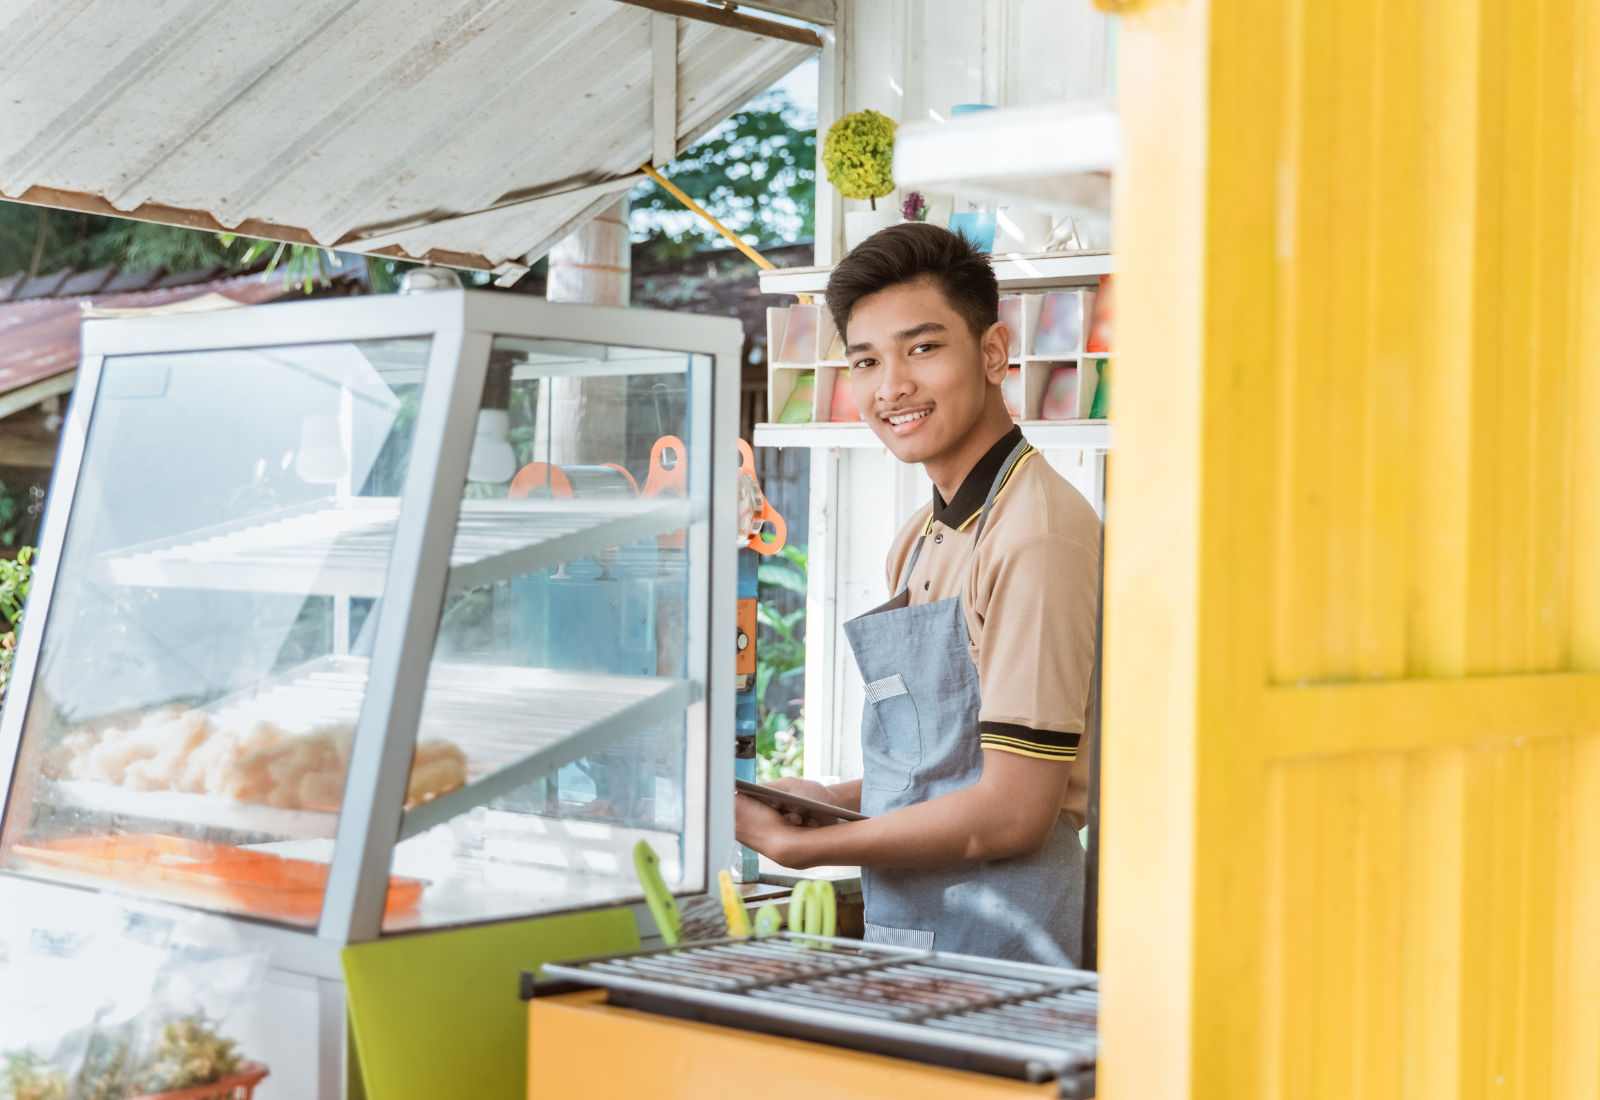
column 562, row 680
column 203, row 661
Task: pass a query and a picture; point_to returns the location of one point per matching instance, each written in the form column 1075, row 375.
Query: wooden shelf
column 1085, row 435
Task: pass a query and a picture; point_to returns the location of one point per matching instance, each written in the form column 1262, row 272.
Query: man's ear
column 996, row 348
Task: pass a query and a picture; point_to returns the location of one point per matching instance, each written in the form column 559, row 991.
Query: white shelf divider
column 1087, row 435
column 343, row 549
column 1013, row 270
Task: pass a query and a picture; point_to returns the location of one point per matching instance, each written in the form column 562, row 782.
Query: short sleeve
column 1033, row 615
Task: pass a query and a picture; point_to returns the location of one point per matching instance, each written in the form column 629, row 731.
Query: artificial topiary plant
column 859, row 155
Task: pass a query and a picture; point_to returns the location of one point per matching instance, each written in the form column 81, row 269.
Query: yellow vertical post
column 1351, row 818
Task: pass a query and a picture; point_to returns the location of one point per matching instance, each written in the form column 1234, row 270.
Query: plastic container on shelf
column 973, row 218
column 843, row 410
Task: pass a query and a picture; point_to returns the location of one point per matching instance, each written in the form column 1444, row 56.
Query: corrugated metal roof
column 466, row 131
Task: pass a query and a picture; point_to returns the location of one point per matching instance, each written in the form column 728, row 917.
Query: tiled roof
column 39, row 334
column 42, row 286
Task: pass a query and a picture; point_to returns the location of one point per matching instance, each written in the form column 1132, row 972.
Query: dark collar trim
column 974, row 490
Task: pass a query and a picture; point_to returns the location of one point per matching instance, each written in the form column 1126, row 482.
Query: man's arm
column 1009, row 811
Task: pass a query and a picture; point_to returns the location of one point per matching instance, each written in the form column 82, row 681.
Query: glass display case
column 383, row 614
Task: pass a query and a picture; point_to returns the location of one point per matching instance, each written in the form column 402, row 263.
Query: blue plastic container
column 977, row 226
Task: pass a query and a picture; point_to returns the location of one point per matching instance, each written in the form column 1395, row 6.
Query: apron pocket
column 891, row 735
column 898, row 937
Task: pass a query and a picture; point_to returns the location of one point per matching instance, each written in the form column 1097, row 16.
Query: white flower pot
column 861, row 224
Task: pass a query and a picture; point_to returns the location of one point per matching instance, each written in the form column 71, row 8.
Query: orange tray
column 241, row 1086
column 205, row 873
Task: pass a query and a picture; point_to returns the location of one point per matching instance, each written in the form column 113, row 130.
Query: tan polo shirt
column 1029, row 596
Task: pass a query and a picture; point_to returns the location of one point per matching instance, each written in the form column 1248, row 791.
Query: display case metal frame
column 462, row 325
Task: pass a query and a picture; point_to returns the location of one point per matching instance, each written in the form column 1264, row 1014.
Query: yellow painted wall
column 1352, row 756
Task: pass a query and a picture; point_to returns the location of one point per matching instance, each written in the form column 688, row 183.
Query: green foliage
column 859, row 155
column 190, row 1053
column 304, row 265
column 21, row 508
column 135, row 246
column 755, row 174
column 16, row 577
column 779, row 656
column 108, row 1066
column 384, row 274
column 40, row 240
column 27, row 1076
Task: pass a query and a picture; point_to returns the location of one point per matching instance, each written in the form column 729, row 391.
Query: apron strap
column 1018, row 453
column 905, row 578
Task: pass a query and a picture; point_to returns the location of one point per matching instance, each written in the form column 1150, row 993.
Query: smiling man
column 977, row 670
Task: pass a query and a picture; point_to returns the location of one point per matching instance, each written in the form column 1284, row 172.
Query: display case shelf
column 514, row 724
column 342, row 548
column 206, row 810
column 519, row 724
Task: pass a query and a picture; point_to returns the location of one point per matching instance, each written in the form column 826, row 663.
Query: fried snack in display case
column 380, row 614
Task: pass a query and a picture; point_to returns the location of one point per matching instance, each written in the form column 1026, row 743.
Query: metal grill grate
column 1014, row 1019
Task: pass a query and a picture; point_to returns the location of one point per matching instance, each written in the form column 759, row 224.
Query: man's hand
column 757, row 825
column 817, row 792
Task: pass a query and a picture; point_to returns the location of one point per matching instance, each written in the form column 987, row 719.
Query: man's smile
column 904, row 418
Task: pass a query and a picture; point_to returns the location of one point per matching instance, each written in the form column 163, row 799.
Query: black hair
column 910, row 251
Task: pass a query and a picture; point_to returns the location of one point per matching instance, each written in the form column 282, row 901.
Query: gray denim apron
column 919, row 740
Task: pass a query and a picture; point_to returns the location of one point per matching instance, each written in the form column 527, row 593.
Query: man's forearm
column 1009, row 812
column 938, row 833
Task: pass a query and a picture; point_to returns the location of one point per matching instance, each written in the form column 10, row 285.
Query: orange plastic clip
column 662, row 480
column 767, row 513
column 674, row 481
column 623, row 471
column 541, row 475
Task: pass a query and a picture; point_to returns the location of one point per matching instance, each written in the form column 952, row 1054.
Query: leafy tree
column 16, row 577
column 779, row 656
column 756, row 173
column 39, row 240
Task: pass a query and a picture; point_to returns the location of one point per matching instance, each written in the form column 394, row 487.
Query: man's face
column 919, row 376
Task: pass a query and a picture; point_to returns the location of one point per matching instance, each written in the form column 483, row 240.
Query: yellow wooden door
column 1351, row 838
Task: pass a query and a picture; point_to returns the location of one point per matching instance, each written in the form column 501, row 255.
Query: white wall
column 906, row 58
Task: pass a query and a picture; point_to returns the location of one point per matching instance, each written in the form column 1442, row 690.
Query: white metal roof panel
column 476, row 131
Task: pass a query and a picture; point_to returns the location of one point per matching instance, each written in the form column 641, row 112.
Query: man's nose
column 896, row 382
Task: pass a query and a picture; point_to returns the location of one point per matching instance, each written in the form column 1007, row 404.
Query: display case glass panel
column 203, row 658
column 559, row 724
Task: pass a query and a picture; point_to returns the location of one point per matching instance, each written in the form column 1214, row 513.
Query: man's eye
column 863, row 364
column 923, row 347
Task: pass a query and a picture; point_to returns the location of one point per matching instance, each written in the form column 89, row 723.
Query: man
column 977, row 671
